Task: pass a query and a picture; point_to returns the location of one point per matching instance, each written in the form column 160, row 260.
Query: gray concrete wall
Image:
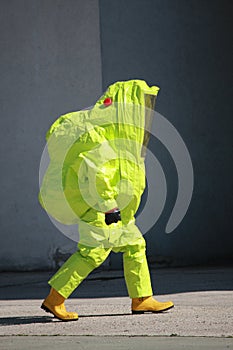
column 185, row 48
column 50, row 64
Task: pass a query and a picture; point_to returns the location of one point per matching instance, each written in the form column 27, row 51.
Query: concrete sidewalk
column 203, row 300
column 113, row 343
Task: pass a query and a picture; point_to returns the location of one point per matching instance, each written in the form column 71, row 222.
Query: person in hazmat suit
column 95, row 178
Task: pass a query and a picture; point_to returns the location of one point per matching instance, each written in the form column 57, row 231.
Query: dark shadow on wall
column 185, row 47
column 33, row 285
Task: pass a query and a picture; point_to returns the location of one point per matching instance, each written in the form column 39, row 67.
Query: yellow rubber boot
column 149, row 304
column 54, row 303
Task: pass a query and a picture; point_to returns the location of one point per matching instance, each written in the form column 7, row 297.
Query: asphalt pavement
column 201, row 319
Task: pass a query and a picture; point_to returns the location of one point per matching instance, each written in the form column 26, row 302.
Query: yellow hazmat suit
column 97, row 164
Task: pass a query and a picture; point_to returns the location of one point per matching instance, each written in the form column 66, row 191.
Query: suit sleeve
column 97, row 177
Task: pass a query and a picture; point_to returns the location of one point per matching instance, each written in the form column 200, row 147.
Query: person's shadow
column 10, row 321
column 19, row 320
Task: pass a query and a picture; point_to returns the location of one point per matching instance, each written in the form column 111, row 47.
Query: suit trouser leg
column 87, row 258
column 136, row 270
column 77, row 268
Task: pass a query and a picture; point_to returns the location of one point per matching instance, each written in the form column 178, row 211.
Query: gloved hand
column 112, row 216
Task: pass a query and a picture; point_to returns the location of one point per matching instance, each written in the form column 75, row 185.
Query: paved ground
column 203, row 300
column 114, row 343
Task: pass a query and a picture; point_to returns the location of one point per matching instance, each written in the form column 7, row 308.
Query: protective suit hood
column 96, row 159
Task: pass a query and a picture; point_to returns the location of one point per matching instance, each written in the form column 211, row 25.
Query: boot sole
column 138, row 312
column 46, row 309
